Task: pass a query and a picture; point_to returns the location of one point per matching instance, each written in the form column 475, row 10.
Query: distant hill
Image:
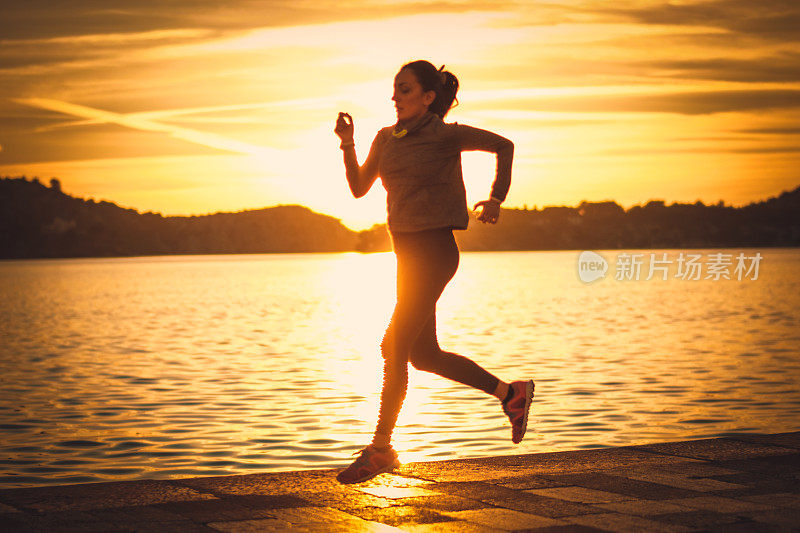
column 41, row 221
column 606, row 225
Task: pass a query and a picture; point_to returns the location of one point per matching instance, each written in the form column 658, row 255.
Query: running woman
column 419, row 163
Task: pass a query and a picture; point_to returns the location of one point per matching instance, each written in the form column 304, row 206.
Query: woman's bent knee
column 425, row 361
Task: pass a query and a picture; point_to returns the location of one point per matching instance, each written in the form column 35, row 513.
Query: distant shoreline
column 598, row 250
column 42, row 222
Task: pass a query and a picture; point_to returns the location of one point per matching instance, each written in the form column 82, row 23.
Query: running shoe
column 369, row 464
column 517, row 408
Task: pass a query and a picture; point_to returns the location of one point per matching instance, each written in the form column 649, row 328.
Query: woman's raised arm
column 359, row 178
column 470, row 138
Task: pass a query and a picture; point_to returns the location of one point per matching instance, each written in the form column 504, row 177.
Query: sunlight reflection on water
column 159, row 367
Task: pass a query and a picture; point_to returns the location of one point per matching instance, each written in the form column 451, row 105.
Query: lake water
column 163, row 367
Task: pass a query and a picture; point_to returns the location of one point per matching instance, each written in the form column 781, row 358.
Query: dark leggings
column 426, row 261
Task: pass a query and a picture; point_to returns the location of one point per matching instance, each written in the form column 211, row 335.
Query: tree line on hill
column 42, row 221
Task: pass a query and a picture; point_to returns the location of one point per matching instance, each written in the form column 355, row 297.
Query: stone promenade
column 741, row 483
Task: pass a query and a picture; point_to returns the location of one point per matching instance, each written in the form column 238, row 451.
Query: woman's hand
column 344, row 129
column 490, row 211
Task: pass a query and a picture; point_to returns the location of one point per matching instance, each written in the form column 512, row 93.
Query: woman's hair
column 442, row 82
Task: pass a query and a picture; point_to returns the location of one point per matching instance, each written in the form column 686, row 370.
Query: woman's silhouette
column 419, row 163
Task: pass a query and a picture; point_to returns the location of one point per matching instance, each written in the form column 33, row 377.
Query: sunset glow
column 197, row 111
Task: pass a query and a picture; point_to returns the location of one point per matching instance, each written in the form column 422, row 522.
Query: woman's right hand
column 344, row 129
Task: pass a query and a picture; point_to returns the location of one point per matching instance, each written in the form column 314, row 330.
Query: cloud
column 705, row 150
column 791, row 130
column 769, row 20
column 686, row 103
column 36, row 19
column 783, row 67
column 131, row 120
column 180, row 114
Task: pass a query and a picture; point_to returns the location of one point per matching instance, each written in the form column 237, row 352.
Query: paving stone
column 626, row 524
column 98, row 495
column 162, row 527
column 472, row 490
column 250, row 526
column 789, row 462
column 643, row 507
column 544, row 506
column 273, row 483
column 401, row 514
column 121, row 515
column 680, row 481
column 350, row 501
column 719, row 504
column 444, row 502
column 328, row 519
column 717, row 449
column 55, row 521
column 693, row 469
column 569, row 528
column 626, row 486
column 259, row 501
column 515, row 500
column 526, row 482
column 697, row 519
column 764, row 465
column 484, row 468
column 321, row 519
column 214, row 511
column 788, row 500
column 8, row 509
column 317, row 486
column 17, row 522
column 398, row 492
column 456, row 526
column 754, row 483
column 788, row 440
column 789, row 518
column 747, row 478
column 505, row 519
column 579, row 494
column 747, row 526
column 393, row 480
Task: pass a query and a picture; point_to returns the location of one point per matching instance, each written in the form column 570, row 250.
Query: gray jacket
column 421, row 171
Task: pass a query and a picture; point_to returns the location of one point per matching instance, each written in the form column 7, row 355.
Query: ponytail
column 442, row 82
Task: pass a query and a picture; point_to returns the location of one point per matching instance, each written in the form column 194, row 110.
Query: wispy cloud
column 37, row 19
column 692, row 102
column 773, row 131
column 180, row 114
column 772, row 20
column 131, row 120
column 781, row 67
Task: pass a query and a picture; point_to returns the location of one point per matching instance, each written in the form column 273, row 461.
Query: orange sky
column 191, row 108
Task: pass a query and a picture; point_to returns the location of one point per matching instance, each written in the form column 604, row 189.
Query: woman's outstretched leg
column 515, row 397
column 426, row 355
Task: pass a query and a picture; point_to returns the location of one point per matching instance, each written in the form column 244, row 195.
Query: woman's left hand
column 490, row 211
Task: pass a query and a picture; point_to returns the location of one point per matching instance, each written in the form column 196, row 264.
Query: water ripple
column 139, row 368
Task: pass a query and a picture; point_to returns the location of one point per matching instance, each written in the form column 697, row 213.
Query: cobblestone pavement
column 740, row 483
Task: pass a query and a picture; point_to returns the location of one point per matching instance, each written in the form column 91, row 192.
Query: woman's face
column 409, row 98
